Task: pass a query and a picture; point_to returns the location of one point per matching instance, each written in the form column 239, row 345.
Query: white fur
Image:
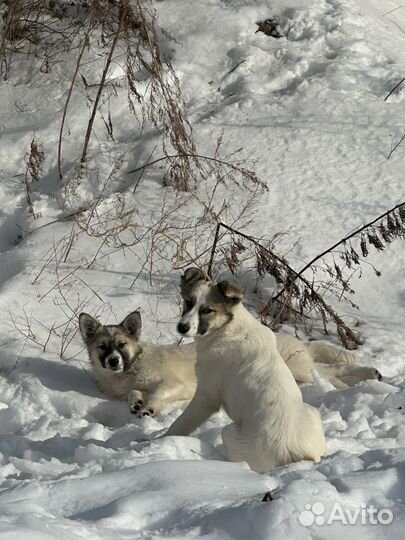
column 239, row 368
column 336, row 365
column 166, row 373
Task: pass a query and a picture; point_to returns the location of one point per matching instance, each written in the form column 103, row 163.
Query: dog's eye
column 102, row 347
column 121, row 345
column 189, row 304
column 206, row 310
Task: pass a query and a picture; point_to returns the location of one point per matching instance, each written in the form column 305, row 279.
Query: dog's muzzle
column 114, row 362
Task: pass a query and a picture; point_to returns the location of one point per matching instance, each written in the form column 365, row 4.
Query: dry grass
column 300, row 296
column 34, row 160
column 197, row 189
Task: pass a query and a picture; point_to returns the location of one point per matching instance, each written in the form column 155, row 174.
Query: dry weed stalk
column 166, row 108
column 300, row 296
column 55, row 338
column 127, row 34
column 58, row 337
column 24, row 327
column 378, row 233
column 224, row 169
column 289, row 306
column 124, row 10
column 111, row 216
column 396, row 145
column 44, row 28
column 34, row 160
column 396, row 87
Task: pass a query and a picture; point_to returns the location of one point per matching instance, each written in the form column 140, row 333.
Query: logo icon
column 312, row 514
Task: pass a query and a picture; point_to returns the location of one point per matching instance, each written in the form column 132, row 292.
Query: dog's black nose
column 114, row 361
column 183, row 328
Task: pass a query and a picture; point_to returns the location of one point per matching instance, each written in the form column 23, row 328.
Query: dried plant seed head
column 401, row 211
column 363, row 245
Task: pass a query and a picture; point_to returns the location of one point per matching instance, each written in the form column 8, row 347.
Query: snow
column 311, row 109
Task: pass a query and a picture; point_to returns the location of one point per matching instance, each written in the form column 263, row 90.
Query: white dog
column 240, row 369
column 150, row 376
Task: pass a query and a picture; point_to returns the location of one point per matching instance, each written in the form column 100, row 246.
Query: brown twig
column 214, row 247
column 102, row 83
column 65, row 107
column 395, row 87
column 396, row 146
column 342, row 241
column 143, row 170
column 246, row 237
column 197, row 156
column 345, row 333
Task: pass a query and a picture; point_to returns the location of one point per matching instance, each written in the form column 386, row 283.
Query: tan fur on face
column 207, row 306
column 222, row 312
column 112, row 336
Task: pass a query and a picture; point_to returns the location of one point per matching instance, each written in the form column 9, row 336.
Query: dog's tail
column 328, row 354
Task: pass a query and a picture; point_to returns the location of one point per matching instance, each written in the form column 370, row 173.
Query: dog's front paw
column 135, row 406
column 135, row 401
column 378, row 375
column 371, row 373
column 145, row 411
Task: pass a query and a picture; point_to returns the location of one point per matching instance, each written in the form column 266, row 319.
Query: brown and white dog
column 240, row 369
column 152, row 376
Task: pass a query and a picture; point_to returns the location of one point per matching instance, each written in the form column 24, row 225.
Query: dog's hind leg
column 328, row 354
column 301, row 365
column 352, row 375
column 297, row 357
column 238, row 448
column 343, row 375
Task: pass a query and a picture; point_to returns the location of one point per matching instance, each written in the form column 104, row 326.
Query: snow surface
column 311, row 109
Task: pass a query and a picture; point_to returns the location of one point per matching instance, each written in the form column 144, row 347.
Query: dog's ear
column 88, row 326
column 133, row 324
column 230, row 293
column 190, row 277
